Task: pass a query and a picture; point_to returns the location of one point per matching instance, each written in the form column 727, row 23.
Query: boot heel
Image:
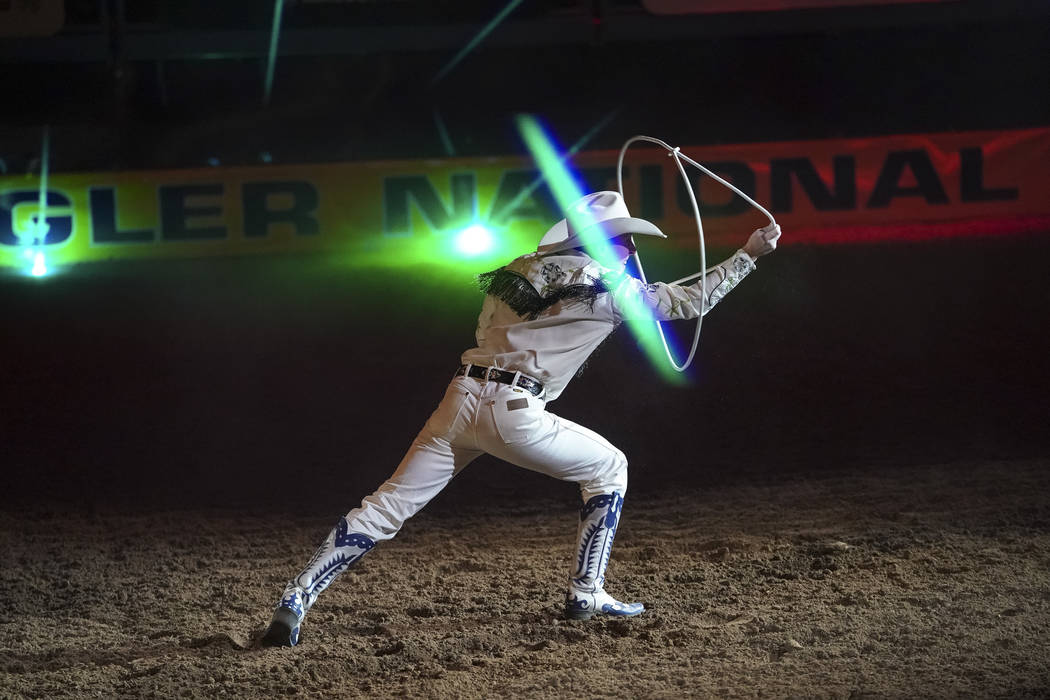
column 571, row 614
column 281, row 629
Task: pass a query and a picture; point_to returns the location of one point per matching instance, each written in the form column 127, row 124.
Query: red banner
column 846, row 190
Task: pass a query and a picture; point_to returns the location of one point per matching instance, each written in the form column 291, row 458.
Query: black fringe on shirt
column 518, row 293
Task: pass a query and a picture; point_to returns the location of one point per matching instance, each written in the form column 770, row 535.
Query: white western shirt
column 554, row 345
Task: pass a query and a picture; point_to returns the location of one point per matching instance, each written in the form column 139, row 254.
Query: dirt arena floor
column 929, row 581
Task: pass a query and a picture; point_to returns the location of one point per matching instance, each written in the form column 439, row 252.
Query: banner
column 401, row 212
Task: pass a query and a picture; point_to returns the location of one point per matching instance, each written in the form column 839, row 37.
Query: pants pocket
column 515, row 414
column 442, row 422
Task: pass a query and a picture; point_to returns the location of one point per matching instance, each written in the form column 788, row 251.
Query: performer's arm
column 668, row 302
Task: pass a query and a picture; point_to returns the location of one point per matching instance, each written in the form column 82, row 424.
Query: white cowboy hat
column 609, row 215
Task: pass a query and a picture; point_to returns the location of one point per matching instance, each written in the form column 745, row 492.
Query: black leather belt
column 502, row 376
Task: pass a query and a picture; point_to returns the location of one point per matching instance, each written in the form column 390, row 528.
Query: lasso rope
column 678, row 156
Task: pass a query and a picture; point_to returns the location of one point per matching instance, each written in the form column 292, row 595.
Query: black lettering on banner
column 651, row 192
column 740, row 174
column 598, row 178
column 258, row 217
column 971, row 180
column 843, row 196
column 174, row 212
column 102, row 203
column 60, row 228
column 400, row 191
column 538, row 204
column 887, row 186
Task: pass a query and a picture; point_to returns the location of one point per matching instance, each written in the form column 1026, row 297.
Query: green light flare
column 527, row 192
column 566, row 191
column 446, row 139
column 39, row 265
column 456, row 255
column 564, row 188
column 275, row 33
column 40, row 227
column 474, row 241
column 45, row 157
column 478, row 38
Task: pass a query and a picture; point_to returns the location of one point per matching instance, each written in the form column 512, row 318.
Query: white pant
column 509, row 423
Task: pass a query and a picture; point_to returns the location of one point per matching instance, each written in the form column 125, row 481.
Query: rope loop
column 676, row 153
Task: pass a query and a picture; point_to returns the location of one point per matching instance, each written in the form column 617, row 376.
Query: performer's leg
column 430, row 463
column 425, row 470
column 585, row 596
column 527, row 435
column 516, row 427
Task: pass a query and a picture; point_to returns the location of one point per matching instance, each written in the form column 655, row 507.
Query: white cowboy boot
column 586, row 596
column 339, row 550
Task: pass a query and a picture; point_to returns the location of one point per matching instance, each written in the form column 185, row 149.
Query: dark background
column 289, row 383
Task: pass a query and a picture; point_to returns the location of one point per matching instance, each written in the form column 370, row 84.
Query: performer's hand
column 762, row 241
